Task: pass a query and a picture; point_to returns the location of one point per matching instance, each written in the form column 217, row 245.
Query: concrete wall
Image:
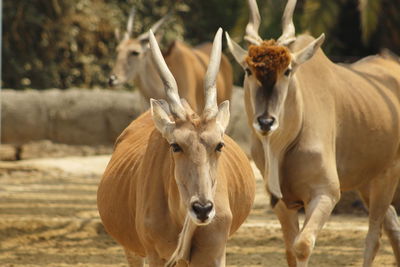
column 75, row 116
column 85, row 117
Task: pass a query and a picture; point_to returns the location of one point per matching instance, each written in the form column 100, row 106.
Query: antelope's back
column 358, row 104
column 116, row 194
column 240, row 180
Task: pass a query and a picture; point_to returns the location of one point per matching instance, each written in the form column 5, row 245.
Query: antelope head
column 131, row 51
column 196, row 141
column 270, row 67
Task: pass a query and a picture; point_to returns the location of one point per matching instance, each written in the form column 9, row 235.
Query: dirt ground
column 48, row 218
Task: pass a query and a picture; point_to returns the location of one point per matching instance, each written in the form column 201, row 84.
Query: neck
column 280, row 141
column 290, row 118
column 148, row 80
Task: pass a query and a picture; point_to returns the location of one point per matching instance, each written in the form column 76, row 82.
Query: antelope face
column 270, row 67
column 268, row 72
column 130, row 53
column 196, row 145
column 196, row 141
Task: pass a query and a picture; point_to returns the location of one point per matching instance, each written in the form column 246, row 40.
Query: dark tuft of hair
column 268, row 60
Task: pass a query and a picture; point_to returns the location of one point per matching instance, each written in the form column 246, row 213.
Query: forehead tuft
column 268, row 60
column 196, row 123
column 127, row 43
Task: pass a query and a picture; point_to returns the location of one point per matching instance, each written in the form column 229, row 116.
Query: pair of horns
column 171, row 88
column 143, row 36
column 288, row 30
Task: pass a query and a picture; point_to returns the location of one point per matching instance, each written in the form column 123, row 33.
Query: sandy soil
column 48, row 217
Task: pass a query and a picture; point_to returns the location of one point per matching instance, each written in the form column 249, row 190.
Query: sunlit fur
column 139, row 200
column 339, row 129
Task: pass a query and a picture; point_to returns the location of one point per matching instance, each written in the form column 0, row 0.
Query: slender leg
column 378, row 195
column 290, row 228
column 133, row 259
column 318, row 211
column 391, row 225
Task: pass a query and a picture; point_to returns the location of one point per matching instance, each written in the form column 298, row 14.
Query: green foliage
column 320, row 16
column 64, row 43
column 389, row 25
column 203, row 18
column 71, row 43
column 52, row 43
column 369, row 10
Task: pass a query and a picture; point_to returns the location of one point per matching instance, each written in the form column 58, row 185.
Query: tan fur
column 322, row 128
column 176, row 187
column 339, row 129
column 138, row 197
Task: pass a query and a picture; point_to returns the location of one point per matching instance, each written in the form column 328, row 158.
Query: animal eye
column 176, row 148
column 219, row 147
column 134, row 53
column 248, row 71
column 287, row 72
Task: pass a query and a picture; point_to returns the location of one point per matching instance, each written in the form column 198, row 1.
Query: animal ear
column 145, row 41
column 308, row 52
column 238, row 53
column 161, row 118
column 223, row 115
column 144, row 44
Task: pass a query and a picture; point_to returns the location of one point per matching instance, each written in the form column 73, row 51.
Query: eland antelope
column 176, row 187
column 187, row 64
column 319, row 128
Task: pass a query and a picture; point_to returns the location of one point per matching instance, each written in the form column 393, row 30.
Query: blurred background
column 71, row 43
column 55, row 143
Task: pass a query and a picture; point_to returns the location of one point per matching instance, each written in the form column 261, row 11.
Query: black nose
column 266, row 122
column 112, row 80
column 202, row 210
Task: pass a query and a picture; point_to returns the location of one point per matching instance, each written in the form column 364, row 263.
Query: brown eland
column 187, row 64
column 320, row 128
column 176, row 187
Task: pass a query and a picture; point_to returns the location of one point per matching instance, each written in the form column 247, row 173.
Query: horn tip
column 321, row 38
column 218, row 35
column 152, row 38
